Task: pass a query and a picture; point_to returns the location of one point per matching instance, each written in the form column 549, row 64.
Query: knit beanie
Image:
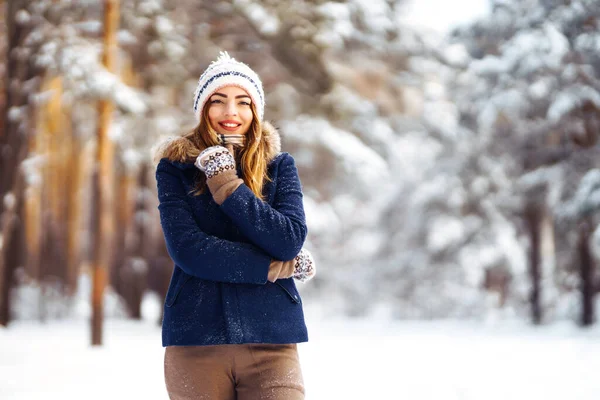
column 227, row 71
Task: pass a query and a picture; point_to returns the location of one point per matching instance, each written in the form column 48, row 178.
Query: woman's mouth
column 230, row 126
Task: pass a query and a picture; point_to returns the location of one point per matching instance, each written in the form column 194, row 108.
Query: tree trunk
column 141, row 272
column 104, row 180
column 74, row 183
column 586, row 269
column 13, row 146
column 33, row 212
column 133, row 273
column 122, row 275
column 533, row 220
column 12, row 254
column 55, row 148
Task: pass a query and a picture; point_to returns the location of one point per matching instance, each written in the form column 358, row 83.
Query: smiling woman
column 230, row 110
column 232, row 214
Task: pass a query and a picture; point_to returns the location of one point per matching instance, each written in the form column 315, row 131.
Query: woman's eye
column 244, row 103
column 215, row 101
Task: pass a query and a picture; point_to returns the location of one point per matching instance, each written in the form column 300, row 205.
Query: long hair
column 253, row 156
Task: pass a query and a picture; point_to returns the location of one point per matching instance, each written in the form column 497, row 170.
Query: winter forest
column 447, row 175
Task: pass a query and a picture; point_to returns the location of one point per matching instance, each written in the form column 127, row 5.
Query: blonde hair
column 253, row 156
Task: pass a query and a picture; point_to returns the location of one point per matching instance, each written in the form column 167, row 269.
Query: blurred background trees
column 450, row 176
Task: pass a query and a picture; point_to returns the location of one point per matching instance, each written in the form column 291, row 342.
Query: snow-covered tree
column 529, row 102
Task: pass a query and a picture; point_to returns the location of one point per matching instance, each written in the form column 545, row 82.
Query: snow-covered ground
column 345, row 359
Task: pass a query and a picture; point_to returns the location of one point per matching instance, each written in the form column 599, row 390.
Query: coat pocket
column 174, row 290
column 289, row 287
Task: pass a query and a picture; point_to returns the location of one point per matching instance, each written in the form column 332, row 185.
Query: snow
column 375, row 14
column 489, row 66
column 22, row 17
column 339, row 28
column 9, row 200
column 345, row 359
column 570, row 99
column 107, row 84
column 365, row 243
column 15, row 114
column 32, row 169
column 456, row 54
column 126, row 38
column 80, row 67
column 595, row 242
column 132, row 158
column 587, row 196
column 150, row 7
column 587, row 42
column 163, row 25
column 89, row 27
column 540, row 89
column 447, row 14
column 320, row 217
column 527, row 53
column 445, row 231
column 511, row 102
column 442, row 116
column 264, row 21
column 353, row 156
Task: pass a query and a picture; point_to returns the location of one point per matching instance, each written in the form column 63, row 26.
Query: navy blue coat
column 219, row 293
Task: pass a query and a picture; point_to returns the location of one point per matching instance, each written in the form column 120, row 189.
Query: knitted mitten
column 304, row 268
column 301, row 268
column 218, row 164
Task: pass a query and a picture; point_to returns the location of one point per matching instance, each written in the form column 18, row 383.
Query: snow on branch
column 571, row 99
column 104, row 84
column 354, row 157
column 527, row 52
column 84, row 75
column 543, row 178
column 266, row 23
column 587, row 197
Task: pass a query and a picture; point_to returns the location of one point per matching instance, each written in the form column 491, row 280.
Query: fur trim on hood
column 180, row 149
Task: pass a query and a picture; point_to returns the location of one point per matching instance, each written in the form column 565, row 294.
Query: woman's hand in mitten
column 301, row 268
column 280, row 270
column 218, row 164
column 304, row 266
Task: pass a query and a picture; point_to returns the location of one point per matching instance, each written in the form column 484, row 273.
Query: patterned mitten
column 304, row 268
column 218, row 164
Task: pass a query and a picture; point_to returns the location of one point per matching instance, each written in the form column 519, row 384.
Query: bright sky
column 442, row 15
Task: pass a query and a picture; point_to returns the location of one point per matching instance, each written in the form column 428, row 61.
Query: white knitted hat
column 227, row 71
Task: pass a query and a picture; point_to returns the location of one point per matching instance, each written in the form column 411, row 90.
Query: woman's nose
column 231, row 109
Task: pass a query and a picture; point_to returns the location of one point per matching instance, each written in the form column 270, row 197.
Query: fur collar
column 180, row 149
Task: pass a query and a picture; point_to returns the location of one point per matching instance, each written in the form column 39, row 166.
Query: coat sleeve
column 195, row 252
column 279, row 230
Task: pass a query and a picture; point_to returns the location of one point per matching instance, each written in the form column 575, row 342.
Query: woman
column 233, row 220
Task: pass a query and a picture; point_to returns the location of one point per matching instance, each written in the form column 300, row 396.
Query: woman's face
column 229, row 111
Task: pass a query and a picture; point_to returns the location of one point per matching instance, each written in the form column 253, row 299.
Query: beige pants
column 234, row 371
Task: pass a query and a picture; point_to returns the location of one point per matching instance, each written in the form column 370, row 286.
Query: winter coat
column 219, row 293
